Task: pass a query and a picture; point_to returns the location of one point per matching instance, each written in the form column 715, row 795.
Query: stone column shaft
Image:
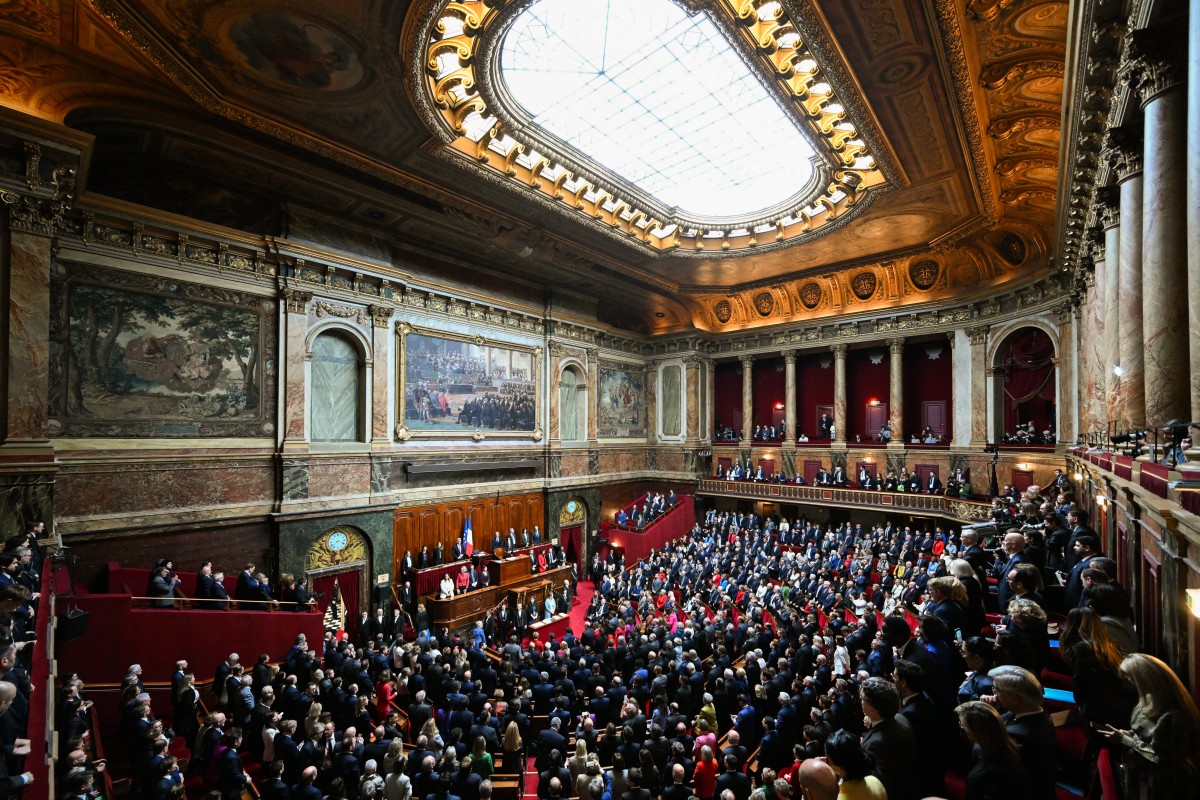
column 1132, row 408
column 839, row 392
column 710, row 407
column 896, row 391
column 747, row 398
column 381, row 338
column 1111, row 320
column 1164, row 254
column 295, row 403
column 979, row 386
column 789, row 400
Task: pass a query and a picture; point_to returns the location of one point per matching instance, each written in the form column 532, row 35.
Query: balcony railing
column 940, row 505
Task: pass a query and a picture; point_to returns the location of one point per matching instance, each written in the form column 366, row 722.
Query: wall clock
column 571, row 506
column 338, row 541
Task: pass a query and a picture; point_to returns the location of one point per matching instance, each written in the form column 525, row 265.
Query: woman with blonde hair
column 997, row 772
column 577, row 763
column 513, row 750
column 948, row 602
column 976, row 615
column 1158, row 751
column 430, row 731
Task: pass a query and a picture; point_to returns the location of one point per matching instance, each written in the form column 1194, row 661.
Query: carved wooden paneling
column 414, row 528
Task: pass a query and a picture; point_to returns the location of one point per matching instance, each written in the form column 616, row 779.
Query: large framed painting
column 621, row 404
column 134, row 355
column 454, row 385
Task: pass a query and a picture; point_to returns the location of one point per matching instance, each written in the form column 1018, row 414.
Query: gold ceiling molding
column 451, row 85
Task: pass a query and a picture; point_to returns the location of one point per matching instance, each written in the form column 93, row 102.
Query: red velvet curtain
column 347, row 582
column 572, row 545
column 1029, row 376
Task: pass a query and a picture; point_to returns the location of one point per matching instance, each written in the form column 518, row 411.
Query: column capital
column 789, row 356
column 1123, row 149
column 978, row 335
column 896, row 345
column 381, row 316
column 839, row 350
column 32, row 214
column 746, row 359
column 1151, row 74
column 296, row 300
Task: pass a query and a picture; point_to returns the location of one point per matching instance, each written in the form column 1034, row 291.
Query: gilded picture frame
column 462, row 386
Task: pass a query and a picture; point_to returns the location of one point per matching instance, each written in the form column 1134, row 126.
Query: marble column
column 839, row 392
column 1164, row 245
column 960, row 389
column 789, row 400
column 692, row 369
column 1192, row 205
column 710, row 395
column 296, row 356
column 1111, row 319
column 896, row 391
column 593, row 365
column 747, row 397
column 1132, row 402
column 1070, row 412
column 979, row 386
column 381, row 339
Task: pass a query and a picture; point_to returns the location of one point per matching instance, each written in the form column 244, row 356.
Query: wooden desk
column 465, row 609
column 509, row 570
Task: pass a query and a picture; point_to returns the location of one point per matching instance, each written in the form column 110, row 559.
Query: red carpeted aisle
column 583, row 598
column 579, row 606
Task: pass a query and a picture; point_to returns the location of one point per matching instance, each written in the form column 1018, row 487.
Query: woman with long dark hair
column 844, row 754
column 1104, row 696
column 996, row 772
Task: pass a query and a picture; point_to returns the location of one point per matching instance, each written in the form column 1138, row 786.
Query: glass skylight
column 659, row 98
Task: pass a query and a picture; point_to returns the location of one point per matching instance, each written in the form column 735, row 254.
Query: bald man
column 817, row 780
column 307, row 789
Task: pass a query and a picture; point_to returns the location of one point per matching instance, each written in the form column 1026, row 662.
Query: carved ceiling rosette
column 810, row 295
column 924, row 273
column 864, row 285
column 764, row 303
column 723, row 311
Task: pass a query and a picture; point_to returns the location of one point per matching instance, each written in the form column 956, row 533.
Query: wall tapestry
column 137, row 355
column 621, row 411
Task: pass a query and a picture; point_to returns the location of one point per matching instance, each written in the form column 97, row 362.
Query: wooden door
column 810, row 470
column 924, row 471
column 1022, row 479
column 870, row 467
column 1149, row 597
column 933, row 415
column 877, row 417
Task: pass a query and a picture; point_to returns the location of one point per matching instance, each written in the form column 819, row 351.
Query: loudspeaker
column 72, row 624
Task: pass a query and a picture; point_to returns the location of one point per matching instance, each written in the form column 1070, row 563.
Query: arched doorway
column 1026, row 365
column 571, row 521
column 337, row 570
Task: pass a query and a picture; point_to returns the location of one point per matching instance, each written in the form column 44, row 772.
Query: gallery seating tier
column 676, row 522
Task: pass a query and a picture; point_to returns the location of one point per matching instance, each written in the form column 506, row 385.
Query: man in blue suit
column 1014, row 546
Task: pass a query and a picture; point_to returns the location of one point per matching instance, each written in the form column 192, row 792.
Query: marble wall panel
column 29, row 336
column 672, row 399
column 85, row 493
column 336, row 390
column 343, row 476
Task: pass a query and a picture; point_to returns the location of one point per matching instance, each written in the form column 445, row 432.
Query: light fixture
column 873, row 403
column 1101, row 500
column 1192, row 597
column 1118, row 370
column 1022, row 465
column 778, row 406
column 1078, row 476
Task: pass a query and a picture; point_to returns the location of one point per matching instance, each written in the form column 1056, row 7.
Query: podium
column 509, row 570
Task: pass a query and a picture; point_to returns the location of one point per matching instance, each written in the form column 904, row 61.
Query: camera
column 1126, row 438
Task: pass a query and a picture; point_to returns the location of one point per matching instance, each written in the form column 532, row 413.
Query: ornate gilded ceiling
column 332, row 108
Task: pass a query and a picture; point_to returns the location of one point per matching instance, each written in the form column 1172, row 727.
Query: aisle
column 583, row 598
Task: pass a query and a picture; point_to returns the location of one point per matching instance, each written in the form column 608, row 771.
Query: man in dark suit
column 771, row 751
column 510, row 541
column 307, row 788
column 247, row 584
column 889, row 743
column 548, row 741
column 839, row 476
column 1020, row 693
column 439, row 555
column 459, row 551
column 677, row 790
column 934, row 484
column 1014, row 547
column 1086, row 549
column 927, row 726
column 732, row 780
column 204, row 584
column 497, row 542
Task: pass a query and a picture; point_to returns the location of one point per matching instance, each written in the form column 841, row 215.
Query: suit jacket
column 1003, row 591
column 736, row 782
column 891, row 749
column 1074, row 589
column 1034, row 735
column 548, row 740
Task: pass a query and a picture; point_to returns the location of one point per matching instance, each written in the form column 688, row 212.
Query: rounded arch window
column 1025, row 362
column 337, row 388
